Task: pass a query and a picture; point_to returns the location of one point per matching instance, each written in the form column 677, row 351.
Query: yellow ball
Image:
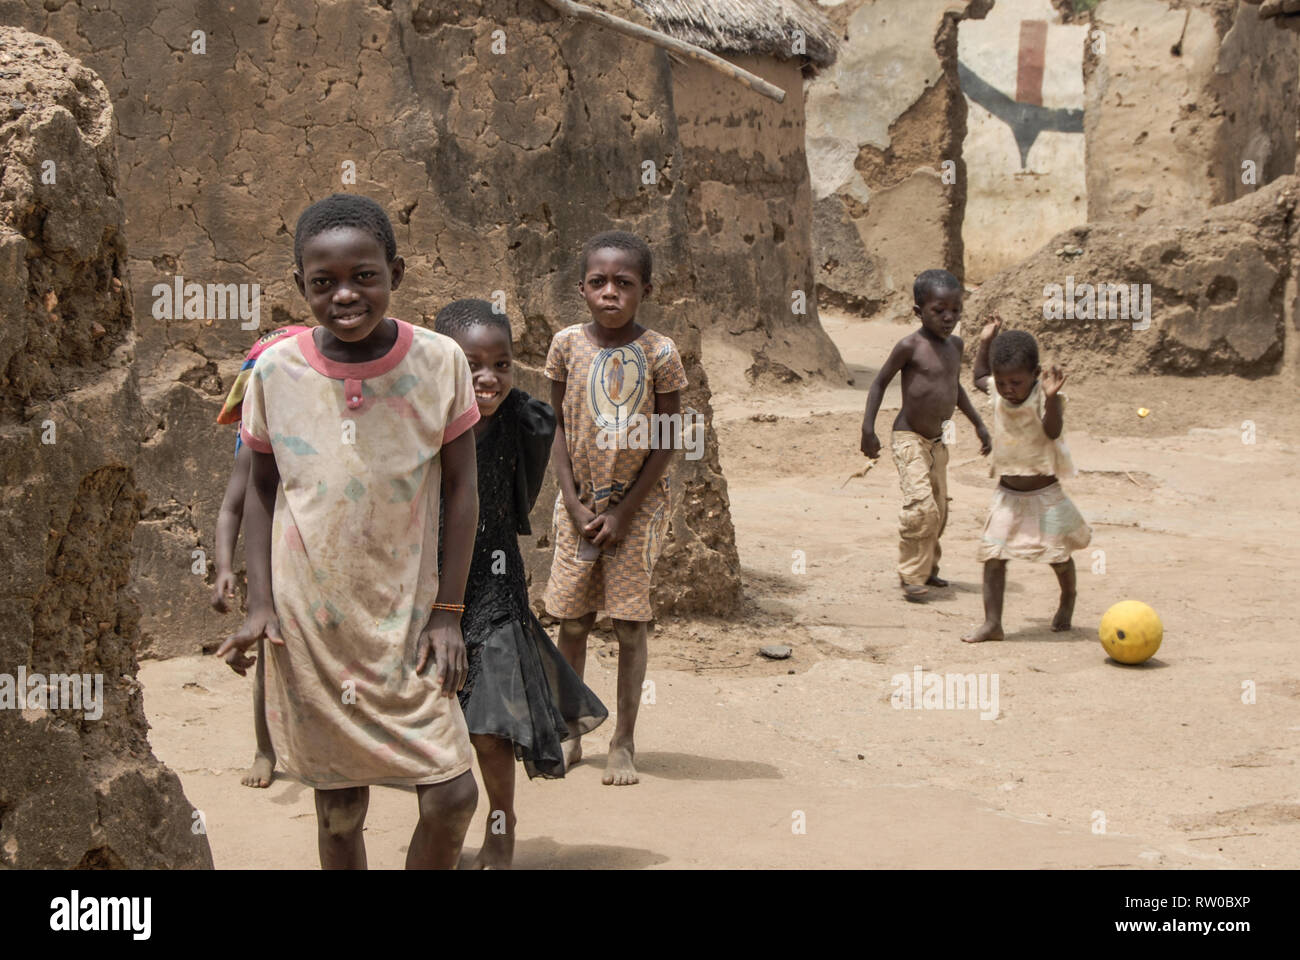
column 1131, row 631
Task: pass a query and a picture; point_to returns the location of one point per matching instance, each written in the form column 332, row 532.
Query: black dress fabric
column 519, row 687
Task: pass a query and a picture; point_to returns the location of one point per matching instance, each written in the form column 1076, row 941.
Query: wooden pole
column 580, row 12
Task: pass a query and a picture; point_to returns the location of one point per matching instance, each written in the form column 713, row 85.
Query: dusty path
column 735, row 748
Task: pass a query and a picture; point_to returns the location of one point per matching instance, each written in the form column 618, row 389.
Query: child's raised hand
column 451, row 664
column 1053, row 380
column 606, row 530
column 222, row 590
column 258, row 624
column 990, row 329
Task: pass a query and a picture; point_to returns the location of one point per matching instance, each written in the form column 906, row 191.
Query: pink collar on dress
column 336, row 370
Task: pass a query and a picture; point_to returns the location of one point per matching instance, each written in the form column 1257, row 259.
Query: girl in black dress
column 522, row 699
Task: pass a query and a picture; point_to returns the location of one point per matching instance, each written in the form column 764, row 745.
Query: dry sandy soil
column 736, row 752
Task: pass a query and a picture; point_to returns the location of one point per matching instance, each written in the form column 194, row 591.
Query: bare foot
column 936, row 581
column 261, row 773
column 914, row 592
column 619, row 771
column 989, row 631
column 1064, row 613
column 498, row 850
column 572, row 752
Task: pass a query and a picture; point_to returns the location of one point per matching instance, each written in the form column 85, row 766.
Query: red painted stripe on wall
column 1033, row 55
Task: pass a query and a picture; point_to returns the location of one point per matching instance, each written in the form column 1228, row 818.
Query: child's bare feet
column 261, row 773
column 914, row 592
column 1064, row 613
column 988, row 631
column 619, row 771
column 498, row 850
column 572, row 752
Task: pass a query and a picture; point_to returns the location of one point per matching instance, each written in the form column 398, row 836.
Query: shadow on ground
column 687, row 766
column 543, row 853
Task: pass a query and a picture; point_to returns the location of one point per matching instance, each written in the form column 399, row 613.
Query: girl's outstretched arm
column 982, row 370
column 459, row 522
column 228, row 522
column 1053, row 414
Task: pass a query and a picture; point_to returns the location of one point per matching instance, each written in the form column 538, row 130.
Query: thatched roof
column 747, row 27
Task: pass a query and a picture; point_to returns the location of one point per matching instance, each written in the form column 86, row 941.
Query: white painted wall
column 1011, row 212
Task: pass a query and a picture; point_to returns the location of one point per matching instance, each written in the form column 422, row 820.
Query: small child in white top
column 1031, row 517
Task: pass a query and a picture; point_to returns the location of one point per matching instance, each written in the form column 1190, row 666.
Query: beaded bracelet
column 450, row 607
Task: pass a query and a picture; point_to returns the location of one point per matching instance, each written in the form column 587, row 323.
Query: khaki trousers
column 923, row 474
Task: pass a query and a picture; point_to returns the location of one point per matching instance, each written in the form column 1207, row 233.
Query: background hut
column 748, row 199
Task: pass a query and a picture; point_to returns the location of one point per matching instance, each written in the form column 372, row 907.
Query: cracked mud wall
column 881, row 123
column 494, row 167
column 1186, row 92
column 748, row 205
column 78, row 787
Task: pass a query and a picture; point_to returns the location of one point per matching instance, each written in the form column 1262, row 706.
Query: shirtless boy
column 930, row 359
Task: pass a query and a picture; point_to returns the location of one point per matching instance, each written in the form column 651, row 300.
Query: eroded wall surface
column 1191, row 103
column 79, row 785
column 748, row 209
column 885, row 128
column 1192, row 294
column 495, row 156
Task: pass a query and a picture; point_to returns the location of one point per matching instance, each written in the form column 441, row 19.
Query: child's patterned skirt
column 1040, row 525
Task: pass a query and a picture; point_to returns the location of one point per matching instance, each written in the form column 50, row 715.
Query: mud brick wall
column 749, row 210
column 494, row 167
column 1217, row 284
column 1186, row 92
column 78, row 787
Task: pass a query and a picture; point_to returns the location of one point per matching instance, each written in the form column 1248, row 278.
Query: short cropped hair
column 460, row 315
column 344, row 210
column 931, row 283
column 1014, row 350
column 617, row 240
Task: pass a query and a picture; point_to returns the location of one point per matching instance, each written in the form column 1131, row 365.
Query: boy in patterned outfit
column 609, row 376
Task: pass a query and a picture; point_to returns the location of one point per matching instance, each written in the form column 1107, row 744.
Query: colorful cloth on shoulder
column 231, row 410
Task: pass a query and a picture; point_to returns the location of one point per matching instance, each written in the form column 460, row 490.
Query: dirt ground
column 747, row 762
